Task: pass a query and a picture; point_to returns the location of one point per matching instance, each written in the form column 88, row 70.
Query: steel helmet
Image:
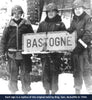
column 16, row 8
column 51, row 6
column 78, row 3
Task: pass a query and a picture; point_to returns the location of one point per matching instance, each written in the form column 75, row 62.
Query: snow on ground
column 66, row 84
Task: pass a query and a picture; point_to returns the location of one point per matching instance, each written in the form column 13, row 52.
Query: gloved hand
column 81, row 46
column 2, row 58
column 78, row 49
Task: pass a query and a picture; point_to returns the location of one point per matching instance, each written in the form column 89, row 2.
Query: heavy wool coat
column 9, row 38
column 49, row 25
column 51, row 62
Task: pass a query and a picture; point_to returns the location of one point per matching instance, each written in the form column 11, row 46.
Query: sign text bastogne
column 51, row 41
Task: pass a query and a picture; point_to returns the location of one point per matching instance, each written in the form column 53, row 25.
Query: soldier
column 51, row 62
column 80, row 59
column 11, row 43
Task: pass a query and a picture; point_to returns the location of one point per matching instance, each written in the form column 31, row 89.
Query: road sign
column 52, row 41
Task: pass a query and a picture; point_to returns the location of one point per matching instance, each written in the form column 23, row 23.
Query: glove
column 2, row 58
column 81, row 46
column 78, row 49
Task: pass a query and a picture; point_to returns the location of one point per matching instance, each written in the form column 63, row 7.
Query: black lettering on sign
column 34, row 43
column 57, row 41
column 63, row 41
column 40, row 42
column 28, row 43
column 51, row 42
column 69, row 41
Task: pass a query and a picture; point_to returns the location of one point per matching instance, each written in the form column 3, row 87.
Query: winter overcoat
column 12, row 35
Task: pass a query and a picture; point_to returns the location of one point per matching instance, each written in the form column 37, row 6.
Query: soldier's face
column 52, row 14
column 17, row 15
column 78, row 11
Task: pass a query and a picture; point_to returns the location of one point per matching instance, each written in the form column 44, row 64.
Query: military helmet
column 51, row 6
column 78, row 3
column 16, row 8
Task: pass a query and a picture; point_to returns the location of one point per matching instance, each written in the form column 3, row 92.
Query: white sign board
column 52, row 41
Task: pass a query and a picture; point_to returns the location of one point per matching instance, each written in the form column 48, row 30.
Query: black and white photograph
column 46, row 47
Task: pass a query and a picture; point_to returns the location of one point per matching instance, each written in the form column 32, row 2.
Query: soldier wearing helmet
column 82, row 24
column 17, row 12
column 51, row 10
column 77, row 4
column 11, row 43
column 51, row 6
column 51, row 62
column 16, row 9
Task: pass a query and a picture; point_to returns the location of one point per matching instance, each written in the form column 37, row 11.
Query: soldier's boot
column 47, row 92
column 52, row 92
column 13, row 92
column 25, row 92
column 77, row 91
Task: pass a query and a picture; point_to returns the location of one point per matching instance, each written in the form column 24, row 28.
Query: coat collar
column 79, row 17
column 56, row 19
column 23, row 21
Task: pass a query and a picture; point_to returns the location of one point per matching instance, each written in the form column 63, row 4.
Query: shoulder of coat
column 42, row 23
column 10, row 23
column 27, row 22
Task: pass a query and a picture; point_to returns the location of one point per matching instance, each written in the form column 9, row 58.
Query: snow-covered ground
column 66, row 84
